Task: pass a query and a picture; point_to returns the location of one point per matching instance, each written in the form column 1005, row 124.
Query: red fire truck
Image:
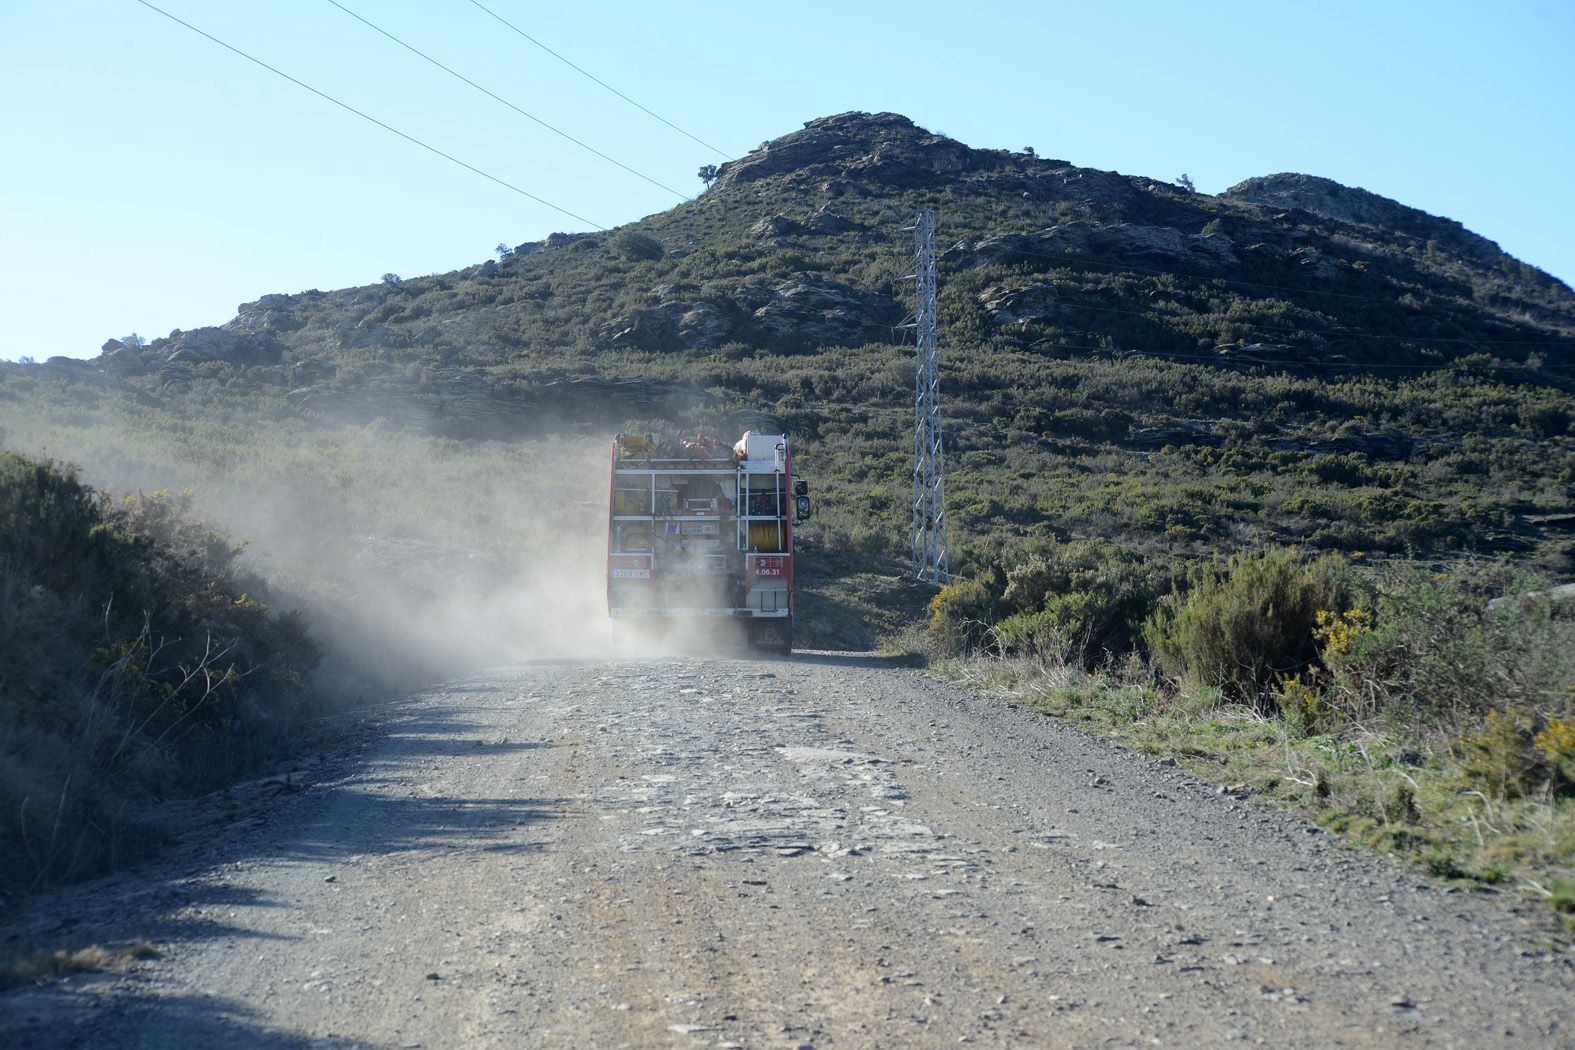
column 698, row 530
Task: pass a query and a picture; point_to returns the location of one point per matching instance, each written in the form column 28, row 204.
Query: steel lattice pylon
column 929, row 478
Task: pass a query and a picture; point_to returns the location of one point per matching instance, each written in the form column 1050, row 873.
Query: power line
column 498, row 98
column 374, row 120
column 1351, row 366
column 603, row 83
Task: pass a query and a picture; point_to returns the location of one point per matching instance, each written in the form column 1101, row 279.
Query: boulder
column 560, row 240
column 174, row 356
column 1318, row 264
column 653, row 329
column 1150, row 437
column 814, row 312
column 1025, row 305
column 349, row 335
column 1086, row 240
column 1350, row 204
column 825, row 221
column 825, row 313
column 774, row 230
column 122, row 359
column 704, row 326
column 861, row 145
column 271, row 313
column 72, row 366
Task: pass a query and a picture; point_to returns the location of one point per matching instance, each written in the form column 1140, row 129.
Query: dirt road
column 815, row 851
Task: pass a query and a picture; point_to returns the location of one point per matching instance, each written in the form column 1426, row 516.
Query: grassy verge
column 1379, row 787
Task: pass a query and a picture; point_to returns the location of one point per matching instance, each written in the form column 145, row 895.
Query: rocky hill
column 796, row 245
column 1415, row 376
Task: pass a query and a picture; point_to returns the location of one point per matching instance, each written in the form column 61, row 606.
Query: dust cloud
column 412, row 557
column 474, row 555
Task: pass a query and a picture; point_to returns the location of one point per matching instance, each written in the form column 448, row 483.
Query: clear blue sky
column 152, row 180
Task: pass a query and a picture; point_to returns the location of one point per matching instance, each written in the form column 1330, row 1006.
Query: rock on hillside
column 851, row 145
column 173, row 356
column 792, row 314
column 1330, row 199
column 1347, row 203
column 1143, row 244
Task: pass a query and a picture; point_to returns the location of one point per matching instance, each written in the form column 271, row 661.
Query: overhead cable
column 498, row 98
column 365, row 116
column 721, row 153
column 1348, row 366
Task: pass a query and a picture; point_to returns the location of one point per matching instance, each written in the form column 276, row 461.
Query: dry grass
column 43, row 964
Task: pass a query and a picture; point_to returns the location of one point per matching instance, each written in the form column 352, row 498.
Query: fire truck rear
column 700, row 531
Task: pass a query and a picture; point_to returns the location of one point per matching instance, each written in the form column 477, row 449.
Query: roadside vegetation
column 1425, row 710
column 43, row 964
column 138, row 667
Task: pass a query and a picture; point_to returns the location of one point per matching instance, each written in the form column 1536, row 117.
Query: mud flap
column 773, row 635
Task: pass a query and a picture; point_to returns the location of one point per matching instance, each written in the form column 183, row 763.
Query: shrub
column 1030, row 582
column 960, row 616
column 1301, row 698
column 1502, row 755
column 1557, row 744
column 1068, row 630
column 640, row 247
column 1245, row 627
column 1100, row 592
column 1546, row 420
column 1443, row 651
column 142, row 668
column 1044, row 636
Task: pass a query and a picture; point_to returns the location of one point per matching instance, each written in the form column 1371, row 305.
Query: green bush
column 1039, row 635
column 1246, row 626
column 960, row 616
column 1503, row 756
column 1066, row 631
column 640, row 247
column 1097, row 594
column 1447, row 647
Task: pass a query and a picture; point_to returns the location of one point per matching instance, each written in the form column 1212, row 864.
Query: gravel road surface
column 814, row 851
